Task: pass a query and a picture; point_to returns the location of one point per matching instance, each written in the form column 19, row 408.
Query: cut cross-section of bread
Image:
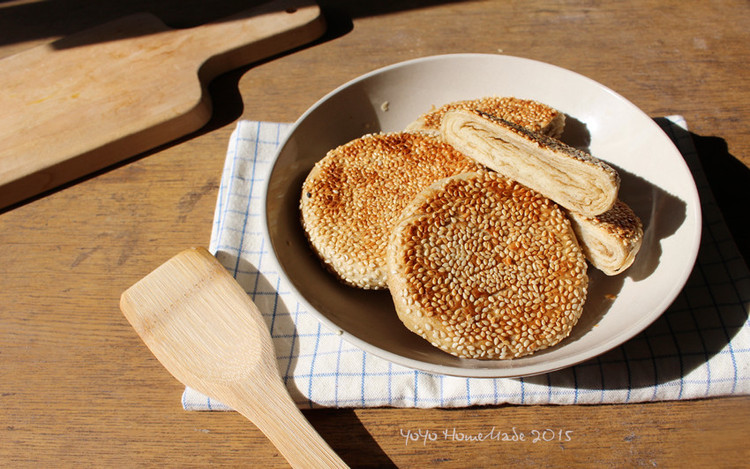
column 611, row 240
column 571, row 177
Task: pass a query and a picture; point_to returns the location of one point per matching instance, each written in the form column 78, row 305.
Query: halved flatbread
column 611, row 240
column 571, row 177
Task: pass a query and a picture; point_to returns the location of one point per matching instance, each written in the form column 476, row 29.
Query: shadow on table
column 31, row 21
column 339, row 17
column 729, row 180
column 26, row 22
column 351, row 440
column 711, row 309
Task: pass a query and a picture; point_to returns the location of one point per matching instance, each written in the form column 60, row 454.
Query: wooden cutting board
column 92, row 99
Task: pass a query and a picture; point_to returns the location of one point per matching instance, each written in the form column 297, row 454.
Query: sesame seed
column 527, row 113
column 493, row 302
column 355, row 194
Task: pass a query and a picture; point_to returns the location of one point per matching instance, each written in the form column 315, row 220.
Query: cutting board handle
column 246, row 37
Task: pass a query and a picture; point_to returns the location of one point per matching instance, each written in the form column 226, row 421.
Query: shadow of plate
column 700, row 323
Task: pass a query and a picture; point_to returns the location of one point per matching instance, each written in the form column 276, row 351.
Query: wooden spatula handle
column 285, row 426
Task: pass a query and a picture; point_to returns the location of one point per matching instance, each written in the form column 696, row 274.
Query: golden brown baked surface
column 527, row 113
column 353, row 196
column 483, row 267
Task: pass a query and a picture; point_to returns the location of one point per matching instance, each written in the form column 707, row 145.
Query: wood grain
column 206, row 331
column 105, row 94
column 78, row 386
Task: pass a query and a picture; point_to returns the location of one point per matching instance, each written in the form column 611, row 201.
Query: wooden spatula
column 94, row 98
column 202, row 326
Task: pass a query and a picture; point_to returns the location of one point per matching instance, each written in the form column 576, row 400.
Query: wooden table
column 78, row 387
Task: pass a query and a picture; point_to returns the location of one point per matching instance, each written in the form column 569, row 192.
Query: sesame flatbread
column 483, row 267
column 353, row 196
column 527, row 113
column 611, row 240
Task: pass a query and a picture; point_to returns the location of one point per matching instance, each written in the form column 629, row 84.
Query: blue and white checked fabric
column 700, row 347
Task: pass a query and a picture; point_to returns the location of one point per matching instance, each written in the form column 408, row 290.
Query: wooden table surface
column 79, row 388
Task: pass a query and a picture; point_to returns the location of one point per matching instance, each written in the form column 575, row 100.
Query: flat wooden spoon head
column 202, row 326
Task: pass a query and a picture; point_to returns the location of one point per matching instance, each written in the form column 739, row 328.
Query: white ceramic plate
column 656, row 183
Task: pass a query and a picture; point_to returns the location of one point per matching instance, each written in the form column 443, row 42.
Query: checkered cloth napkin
column 700, row 347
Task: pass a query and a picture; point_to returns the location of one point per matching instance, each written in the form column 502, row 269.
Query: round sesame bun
column 527, row 113
column 483, row 267
column 353, row 196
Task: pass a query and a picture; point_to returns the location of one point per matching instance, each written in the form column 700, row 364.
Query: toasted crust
column 527, row 113
column 571, row 177
column 353, row 196
column 611, row 240
column 483, row 267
